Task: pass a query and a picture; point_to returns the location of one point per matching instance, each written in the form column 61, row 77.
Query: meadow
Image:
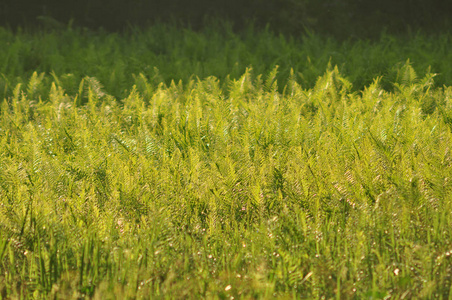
column 174, row 164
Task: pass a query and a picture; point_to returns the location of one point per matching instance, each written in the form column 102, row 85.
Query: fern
column 267, row 183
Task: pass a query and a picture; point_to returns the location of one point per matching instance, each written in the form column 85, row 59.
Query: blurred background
column 339, row 18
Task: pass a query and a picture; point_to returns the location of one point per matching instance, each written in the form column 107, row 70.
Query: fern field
column 183, row 182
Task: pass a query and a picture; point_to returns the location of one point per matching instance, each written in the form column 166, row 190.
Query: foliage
column 241, row 186
column 165, row 53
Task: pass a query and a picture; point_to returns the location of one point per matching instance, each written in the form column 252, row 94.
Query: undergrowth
column 164, row 53
column 220, row 189
column 160, row 164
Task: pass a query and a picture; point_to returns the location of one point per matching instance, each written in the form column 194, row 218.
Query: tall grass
column 217, row 188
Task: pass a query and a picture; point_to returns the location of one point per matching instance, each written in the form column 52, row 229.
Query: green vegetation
column 121, row 180
column 165, row 53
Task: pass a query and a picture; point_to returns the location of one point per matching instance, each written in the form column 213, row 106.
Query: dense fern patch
column 226, row 187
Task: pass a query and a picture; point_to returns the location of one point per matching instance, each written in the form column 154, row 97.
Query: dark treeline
column 341, row 18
